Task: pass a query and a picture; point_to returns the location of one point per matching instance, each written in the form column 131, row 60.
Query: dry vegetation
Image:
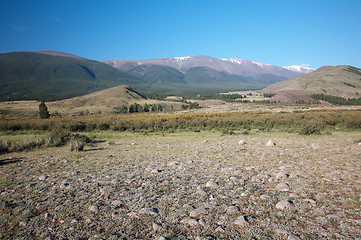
column 183, row 176
column 186, row 186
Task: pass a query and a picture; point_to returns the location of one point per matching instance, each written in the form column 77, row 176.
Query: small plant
column 309, row 130
column 76, row 144
column 4, row 146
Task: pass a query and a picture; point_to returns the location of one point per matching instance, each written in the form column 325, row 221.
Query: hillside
column 342, row 81
column 52, row 75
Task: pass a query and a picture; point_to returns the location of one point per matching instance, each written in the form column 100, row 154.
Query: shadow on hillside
column 8, row 161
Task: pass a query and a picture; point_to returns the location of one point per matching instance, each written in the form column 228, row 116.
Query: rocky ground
column 186, row 186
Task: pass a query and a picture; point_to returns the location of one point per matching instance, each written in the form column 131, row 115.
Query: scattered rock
column 283, row 187
column 232, row 210
column 281, row 231
column 293, row 237
column 308, row 200
column 190, row 221
column 117, row 203
column 93, row 208
column 197, row 213
column 315, row 146
column 282, row 205
column 149, row 211
column 155, row 171
column 212, row 184
column 270, row 143
column 219, row 229
column 157, row 227
column 43, row 177
column 281, row 176
column 241, row 221
column 242, row 142
column 264, row 197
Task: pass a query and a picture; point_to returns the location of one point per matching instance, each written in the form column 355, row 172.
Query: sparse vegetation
column 337, row 100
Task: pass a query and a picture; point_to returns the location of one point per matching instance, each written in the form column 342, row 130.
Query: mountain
column 51, row 75
column 203, row 73
column 342, row 81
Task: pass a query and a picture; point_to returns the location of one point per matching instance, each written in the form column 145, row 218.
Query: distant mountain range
column 204, row 73
column 53, row 75
column 341, row 81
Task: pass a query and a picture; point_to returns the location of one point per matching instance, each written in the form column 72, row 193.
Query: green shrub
column 76, row 144
column 310, row 130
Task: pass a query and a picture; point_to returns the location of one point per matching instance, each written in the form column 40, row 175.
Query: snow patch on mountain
column 233, row 60
column 300, row 69
column 182, row 58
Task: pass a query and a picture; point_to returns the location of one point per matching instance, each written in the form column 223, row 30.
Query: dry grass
column 49, row 192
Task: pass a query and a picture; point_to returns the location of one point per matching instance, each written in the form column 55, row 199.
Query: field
column 284, row 172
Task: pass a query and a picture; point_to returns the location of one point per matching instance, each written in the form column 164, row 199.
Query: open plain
column 187, row 185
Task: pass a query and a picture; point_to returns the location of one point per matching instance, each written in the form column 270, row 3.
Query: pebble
column 149, row 211
column 270, row 143
column 43, row 177
column 293, row 237
column 212, row 184
column 117, row 203
column 241, row 221
column 242, row 142
column 315, row 146
column 282, row 205
column 157, row 227
column 219, row 229
column 232, row 210
column 196, row 213
column 93, row 208
column 281, row 176
column 283, row 187
column 190, row 221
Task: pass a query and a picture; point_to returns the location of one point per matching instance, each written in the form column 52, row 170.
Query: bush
column 309, row 130
column 76, row 144
column 4, row 146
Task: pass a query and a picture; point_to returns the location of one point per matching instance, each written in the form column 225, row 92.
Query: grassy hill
column 38, row 76
column 342, row 81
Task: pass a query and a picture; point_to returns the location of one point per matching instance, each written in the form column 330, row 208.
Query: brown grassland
column 195, row 175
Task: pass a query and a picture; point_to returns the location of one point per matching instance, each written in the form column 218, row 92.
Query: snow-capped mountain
column 233, row 66
column 300, row 69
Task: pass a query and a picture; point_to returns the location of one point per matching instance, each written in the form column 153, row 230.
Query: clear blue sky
column 313, row 32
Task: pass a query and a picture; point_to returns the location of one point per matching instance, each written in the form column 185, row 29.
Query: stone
column 270, row 143
column 232, row 210
column 242, row 142
column 281, row 176
column 117, row 203
column 197, row 213
column 241, row 221
column 190, row 221
column 149, row 211
column 315, row 146
column 293, row 237
column 93, row 208
column 264, row 197
column 282, row 205
column 157, row 227
column 219, row 229
column 283, row 187
column 212, row 184
column 43, row 177
column 155, row 171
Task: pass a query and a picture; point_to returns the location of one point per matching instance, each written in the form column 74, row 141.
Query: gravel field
column 186, row 186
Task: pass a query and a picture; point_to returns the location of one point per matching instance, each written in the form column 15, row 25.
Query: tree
column 43, row 111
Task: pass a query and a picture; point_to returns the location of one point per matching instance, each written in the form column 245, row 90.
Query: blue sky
column 282, row 33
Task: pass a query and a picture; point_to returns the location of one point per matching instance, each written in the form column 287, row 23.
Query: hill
column 51, row 75
column 341, row 81
column 192, row 74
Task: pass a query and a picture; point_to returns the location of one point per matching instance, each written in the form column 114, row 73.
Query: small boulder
column 232, row 210
column 270, row 143
column 242, row 142
column 212, row 184
column 241, row 221
column 282, row 205
column 149, row 211
column 197, row 213
column 283, row 187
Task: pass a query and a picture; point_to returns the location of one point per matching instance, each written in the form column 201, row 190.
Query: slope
column 342, row 81
column 38, row 76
